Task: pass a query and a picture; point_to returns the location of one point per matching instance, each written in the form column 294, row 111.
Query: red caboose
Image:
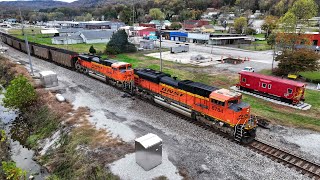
column 282, row 89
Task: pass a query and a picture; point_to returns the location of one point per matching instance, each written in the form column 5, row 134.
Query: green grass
column 288, row 116
column 259, row 35
column 256, row 46
column 266, row 72
column 311, row 75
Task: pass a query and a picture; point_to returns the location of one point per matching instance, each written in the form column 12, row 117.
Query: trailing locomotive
column 112, row 71
column 216, row 107
column 288, row 91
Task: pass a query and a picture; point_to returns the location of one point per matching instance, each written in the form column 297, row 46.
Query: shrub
column 251, row 31
column 298, row 61
column 12, row 171
column 92, row 50
column 112, row 50
column 20, row 94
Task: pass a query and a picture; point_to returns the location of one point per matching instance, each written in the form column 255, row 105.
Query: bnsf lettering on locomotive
column 170, row 91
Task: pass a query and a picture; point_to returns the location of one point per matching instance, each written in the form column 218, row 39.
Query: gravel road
column 204, row 155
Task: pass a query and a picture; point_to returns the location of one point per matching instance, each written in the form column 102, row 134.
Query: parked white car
column 248, row 69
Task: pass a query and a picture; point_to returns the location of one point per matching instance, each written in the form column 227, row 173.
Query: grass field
column 311, row 75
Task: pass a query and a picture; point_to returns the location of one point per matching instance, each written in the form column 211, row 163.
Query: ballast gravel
column 200, row 153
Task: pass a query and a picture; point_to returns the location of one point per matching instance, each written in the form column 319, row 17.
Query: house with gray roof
column 96, row 36
column 68, row 31
column 72, row 39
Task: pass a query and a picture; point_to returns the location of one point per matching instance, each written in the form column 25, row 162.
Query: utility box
column 179, row 49
column 48, row 79
column 148, row 151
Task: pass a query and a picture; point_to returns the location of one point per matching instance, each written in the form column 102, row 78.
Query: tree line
column 174, row 10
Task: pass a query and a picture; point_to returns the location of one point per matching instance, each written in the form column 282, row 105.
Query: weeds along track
column 287, row 159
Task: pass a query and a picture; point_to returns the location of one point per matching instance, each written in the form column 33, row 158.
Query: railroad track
column 287, row 159
column 301, row 165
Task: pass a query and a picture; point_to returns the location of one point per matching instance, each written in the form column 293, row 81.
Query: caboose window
column 289, row 91
column 269, row 86
column 244, row 80
column 264, row 85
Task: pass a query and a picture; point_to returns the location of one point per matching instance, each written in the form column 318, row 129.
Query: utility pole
column 160, row 46
column 133, row 14
column 27, row 44
column 274, row 56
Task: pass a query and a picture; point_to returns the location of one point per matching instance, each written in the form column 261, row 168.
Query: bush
column 12, row 171
column 251, row 31
column 112, row 50
column 20, row 94
column 298, row 61
column 131, row 48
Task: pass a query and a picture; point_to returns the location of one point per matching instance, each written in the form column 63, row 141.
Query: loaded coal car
column 16, row 43
column 64, row 57
column 285, row 90
column 41, row 51
column 212, row 105
column 3, row 38
column 24, row 47
column 9, row 40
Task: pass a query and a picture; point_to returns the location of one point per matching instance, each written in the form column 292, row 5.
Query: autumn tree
column 156, row 14
column 299, row 13
column 297, row 61
column 240, row 24
column 270, row 23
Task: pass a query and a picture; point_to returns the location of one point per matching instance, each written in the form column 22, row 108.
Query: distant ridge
column 33, row 4
column 44, row 4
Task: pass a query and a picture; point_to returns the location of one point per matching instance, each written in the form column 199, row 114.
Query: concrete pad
column 127, row 168
column 185, row 58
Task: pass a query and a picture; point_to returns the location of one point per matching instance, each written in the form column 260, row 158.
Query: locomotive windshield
column 232, row 102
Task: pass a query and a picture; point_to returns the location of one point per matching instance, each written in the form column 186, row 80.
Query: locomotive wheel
column 78, row 66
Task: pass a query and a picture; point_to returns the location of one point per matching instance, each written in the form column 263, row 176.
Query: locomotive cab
column 122, row 71
column 236, row 112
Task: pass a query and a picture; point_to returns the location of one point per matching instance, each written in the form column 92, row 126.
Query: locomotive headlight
column 248, row 110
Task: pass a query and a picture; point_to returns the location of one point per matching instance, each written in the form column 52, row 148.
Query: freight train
column 216, row 107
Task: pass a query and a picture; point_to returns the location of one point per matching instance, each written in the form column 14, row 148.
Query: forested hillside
column 175, row 10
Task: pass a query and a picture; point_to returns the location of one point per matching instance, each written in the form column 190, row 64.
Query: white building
column 96, row 36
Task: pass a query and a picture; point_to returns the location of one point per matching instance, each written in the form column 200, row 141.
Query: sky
column 59, row 0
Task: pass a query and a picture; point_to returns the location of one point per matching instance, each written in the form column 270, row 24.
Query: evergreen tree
column 92, row 50
column 119, row 43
